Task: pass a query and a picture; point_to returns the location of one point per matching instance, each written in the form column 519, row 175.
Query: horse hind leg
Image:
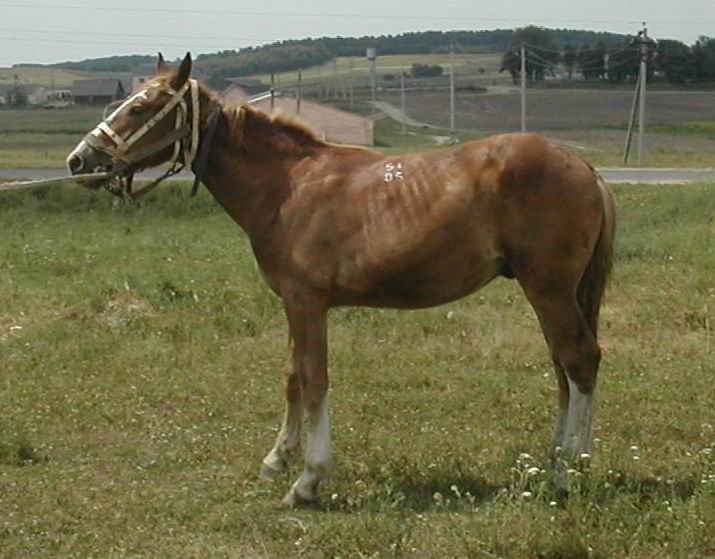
column 576, row 358
column 562, row 414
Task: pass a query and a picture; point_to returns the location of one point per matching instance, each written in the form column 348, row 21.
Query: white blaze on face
column 142, row 95
column 139, row 95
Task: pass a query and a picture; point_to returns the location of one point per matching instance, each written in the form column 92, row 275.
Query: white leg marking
column 560, row 428
column 318, row 455
column 287, row 442
column 579, row 422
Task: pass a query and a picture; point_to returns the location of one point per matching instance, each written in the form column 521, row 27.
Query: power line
column 354, row 15
column 620, row 47
column 144, row 35
column 153, row 45
column 612, row 65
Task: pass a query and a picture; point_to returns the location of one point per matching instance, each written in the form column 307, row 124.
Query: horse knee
column 314, row 391
column 581, row 365
column 293, row 387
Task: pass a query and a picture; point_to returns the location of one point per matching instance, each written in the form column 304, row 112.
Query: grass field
column 357, row 68
column 141, row 363
column 594, row 122
column 40, row 138
column 677, row 136
column 41, row 76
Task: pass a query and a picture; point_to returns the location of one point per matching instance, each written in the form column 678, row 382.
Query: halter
column 123, row 161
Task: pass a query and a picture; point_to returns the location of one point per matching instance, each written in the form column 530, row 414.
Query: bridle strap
column 205, row 147
column 178, row 102
column 185, row 138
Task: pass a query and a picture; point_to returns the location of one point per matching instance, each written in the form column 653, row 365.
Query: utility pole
column 523, row 87
column 644, row 44
column 371, row 54
column 639, row 95
column 297, row 95
column 335, row 78
column 351, row 87
column 452, row 131
column 273, row 91
column 402, row 99
column 631, row 120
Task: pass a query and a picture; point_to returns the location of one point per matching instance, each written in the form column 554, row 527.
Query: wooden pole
column 452, row 130
column 644, row 81
column 523, row 87
column 632, row 119
column 402, row 100
column 297, row 95
column 273, row 89
column 351, row 84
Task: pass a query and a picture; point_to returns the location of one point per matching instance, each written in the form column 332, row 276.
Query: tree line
column 298, row 54
column 615, row 61
column 586, row 54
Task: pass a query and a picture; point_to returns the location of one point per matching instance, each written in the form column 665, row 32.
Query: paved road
column 657, row 176
column 611, row 174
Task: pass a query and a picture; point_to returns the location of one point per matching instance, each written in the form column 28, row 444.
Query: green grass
column 703, row 129
column 41, row 76
column 41, row 139
column 357, row 68
column 141, row 366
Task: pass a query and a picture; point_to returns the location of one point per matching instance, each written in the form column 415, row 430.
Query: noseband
column 184, row 137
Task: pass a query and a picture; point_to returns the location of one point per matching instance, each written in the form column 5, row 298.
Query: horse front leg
column 307, row 320
column 288, row 441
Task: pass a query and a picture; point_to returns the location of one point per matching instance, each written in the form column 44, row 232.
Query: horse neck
column 248, row 170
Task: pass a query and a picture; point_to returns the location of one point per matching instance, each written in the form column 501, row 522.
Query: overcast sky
column 52, row 31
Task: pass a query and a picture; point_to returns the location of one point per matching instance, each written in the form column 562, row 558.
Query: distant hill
column 297, row 54
column 109, row 64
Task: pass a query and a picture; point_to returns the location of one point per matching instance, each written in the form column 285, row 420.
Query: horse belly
column 435, row 280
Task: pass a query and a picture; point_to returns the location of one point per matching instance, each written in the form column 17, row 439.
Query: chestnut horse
column 335, row 225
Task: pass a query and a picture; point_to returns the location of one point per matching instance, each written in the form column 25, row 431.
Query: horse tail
column 595, row 278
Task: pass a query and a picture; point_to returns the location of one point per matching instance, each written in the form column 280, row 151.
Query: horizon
column 176, row 27
column 197, row 54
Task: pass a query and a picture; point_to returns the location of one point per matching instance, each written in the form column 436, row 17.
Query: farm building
column 12, row 95
column 99, row 91
column 331, row 124
column 234, row 95
column 142, row 74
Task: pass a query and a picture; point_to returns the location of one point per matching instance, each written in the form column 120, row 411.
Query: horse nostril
column 75, row 164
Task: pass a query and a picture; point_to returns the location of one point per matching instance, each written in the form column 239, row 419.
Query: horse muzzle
column 85, row 159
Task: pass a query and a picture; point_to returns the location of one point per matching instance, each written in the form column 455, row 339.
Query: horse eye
column 136, row 110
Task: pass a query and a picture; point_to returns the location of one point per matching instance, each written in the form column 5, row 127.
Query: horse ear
column 161, row 66
column 183, row 73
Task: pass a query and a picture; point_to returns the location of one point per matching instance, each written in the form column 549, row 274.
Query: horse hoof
column 294, row 499
column 269, row 472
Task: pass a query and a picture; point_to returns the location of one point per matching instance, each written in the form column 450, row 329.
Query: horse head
column 155, row 125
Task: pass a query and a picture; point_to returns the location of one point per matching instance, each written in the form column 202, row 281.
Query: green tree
column 591, row 61
column 703, row 65
column 426, row 70
column 569, row 59
column 623, row 62
column 542, row 54
column 675, row 60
